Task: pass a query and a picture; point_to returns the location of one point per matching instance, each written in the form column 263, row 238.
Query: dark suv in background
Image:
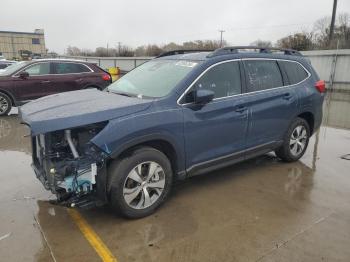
column 173, row 117
column 29, row 80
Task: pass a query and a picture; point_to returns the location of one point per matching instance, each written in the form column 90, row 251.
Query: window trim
column 51, row 64
column 243, row 93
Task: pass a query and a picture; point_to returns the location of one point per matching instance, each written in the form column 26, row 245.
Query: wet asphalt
column 259, row 210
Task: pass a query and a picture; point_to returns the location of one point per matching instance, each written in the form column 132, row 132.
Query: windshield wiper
column 122, row 93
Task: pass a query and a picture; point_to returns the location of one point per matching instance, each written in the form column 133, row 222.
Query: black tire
column 4, row 99
column 118, row 177
column 91, row 87
column 285, row 151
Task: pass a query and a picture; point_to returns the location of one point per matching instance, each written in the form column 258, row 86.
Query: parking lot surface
column 259, row 210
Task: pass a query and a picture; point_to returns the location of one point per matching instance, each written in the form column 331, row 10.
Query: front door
column 215, row 131
column 36, row 85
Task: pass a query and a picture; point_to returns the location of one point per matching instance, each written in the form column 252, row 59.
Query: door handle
column 45, row 81
column 241, row 109
column 287, row 96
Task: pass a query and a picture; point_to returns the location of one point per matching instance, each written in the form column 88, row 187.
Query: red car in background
column 29, row 80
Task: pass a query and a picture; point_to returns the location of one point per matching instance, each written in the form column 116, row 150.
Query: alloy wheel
column 144, row 185
column 298, row 140
column 4, row 105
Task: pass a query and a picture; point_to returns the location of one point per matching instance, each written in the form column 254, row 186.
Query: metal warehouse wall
column 333, row 66
column 12, row 42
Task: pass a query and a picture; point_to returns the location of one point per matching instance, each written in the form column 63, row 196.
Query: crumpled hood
column 77, row 108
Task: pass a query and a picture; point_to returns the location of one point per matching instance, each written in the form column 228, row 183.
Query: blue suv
column 181, row 114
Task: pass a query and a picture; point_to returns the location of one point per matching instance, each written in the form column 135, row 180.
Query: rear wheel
column 295, row 141
column 140, row 183
column 5, row 104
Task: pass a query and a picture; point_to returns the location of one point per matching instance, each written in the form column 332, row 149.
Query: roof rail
column 181, row 52
column 266, row 50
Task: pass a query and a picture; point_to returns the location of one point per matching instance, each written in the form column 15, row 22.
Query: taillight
column 320, row 86
column 106, row 77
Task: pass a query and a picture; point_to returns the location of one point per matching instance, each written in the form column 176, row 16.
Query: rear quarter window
column 295, row 72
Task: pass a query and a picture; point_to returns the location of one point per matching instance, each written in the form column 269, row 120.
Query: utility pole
column 107, row 49
column 221, row 32
column 331, row 31
column 119, row 47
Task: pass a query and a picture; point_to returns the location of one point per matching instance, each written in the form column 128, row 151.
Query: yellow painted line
column 91, row 236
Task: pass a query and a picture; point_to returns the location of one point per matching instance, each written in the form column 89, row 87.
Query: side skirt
column 231, row 159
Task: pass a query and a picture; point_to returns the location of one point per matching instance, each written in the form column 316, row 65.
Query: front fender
column 124, row 133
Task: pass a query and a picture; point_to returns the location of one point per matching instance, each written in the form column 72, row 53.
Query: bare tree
column 73, row 51
column 298, row 41
column 261, row 43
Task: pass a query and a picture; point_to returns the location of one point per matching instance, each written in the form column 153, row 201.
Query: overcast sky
column 92, row 23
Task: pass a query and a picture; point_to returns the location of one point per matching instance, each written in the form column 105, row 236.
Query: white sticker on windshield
column 186, row 63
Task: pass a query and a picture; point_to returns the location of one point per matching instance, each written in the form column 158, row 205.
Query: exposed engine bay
column 69, row 165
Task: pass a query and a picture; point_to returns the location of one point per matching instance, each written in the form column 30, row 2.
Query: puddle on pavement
column 235, row 213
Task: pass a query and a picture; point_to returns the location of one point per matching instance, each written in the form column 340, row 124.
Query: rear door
column 217, row 130
column 69, row 76
column 38, row 83
column 271, row 101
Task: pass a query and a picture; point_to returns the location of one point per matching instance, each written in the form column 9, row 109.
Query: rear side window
column 295, row 72
column 223, row 79
column 70, row 68
column 262, row 75
column 38, row 69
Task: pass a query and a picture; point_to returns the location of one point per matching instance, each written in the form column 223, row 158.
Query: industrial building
column 21, row 45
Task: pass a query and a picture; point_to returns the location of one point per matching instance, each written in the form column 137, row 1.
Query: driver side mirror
column 24, row 75
column 203, row 96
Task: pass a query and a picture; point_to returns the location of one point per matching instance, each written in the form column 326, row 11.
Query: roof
column 21, row 33
column 236, row 52
column 62, row 60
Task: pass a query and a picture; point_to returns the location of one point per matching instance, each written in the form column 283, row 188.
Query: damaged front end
column 72, row 167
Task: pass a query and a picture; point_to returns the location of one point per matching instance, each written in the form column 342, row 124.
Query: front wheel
column 140, row 183
column 5, row 104
column 295, row 141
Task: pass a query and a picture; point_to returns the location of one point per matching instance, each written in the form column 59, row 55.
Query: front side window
column 70, row 68
column 262, row 75
column 155, row 78
column 295, row 72
column 223, row 79
column 38, row 69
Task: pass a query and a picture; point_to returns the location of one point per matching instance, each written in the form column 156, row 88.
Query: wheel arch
column 159, row 142
column 13, row 100
column 309, row 118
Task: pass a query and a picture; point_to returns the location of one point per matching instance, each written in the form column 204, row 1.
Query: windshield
column 13, row 68
column 155, row 78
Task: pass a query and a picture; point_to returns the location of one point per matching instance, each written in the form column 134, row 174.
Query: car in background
column 5, row 63
column 29, row 80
